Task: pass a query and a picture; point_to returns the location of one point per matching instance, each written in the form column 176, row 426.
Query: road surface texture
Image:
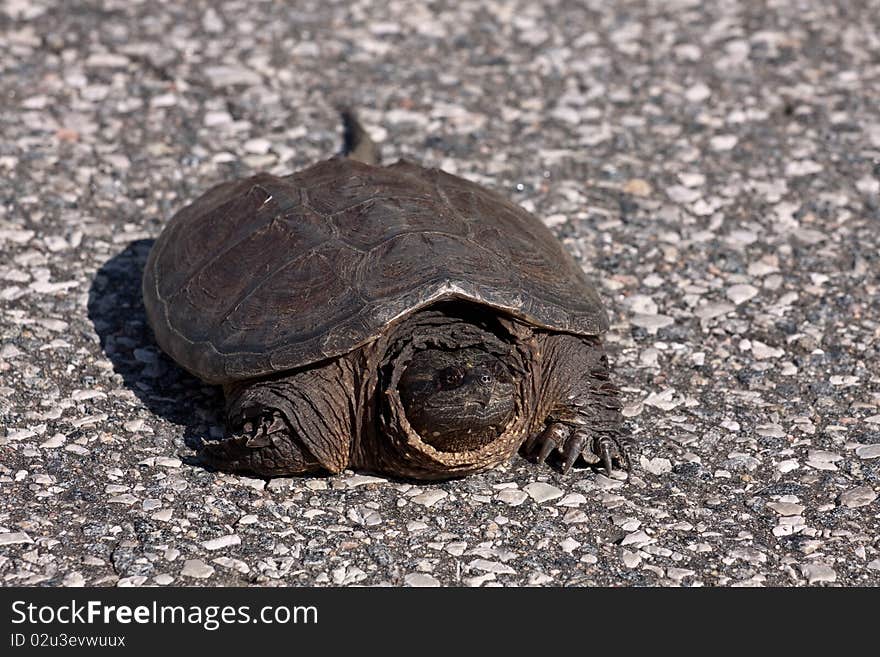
column 714, row 166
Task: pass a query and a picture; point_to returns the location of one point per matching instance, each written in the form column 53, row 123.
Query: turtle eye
column 450, row 377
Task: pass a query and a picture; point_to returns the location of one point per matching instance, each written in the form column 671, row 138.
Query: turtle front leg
column 573, row 433
column 261, row 443
column 290, row 424
column 584, row 418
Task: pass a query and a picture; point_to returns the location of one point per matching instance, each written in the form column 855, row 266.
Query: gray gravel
column 715, row 166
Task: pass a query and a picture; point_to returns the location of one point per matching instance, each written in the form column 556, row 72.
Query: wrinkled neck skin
column 452, row 396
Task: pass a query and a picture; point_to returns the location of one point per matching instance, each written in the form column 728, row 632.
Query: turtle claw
column 573, row 448
column 605, row 453
column 547, row 447
column 609, row 450
column 555, row 436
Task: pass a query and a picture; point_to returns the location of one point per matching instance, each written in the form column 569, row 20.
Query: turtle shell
column 272, row 273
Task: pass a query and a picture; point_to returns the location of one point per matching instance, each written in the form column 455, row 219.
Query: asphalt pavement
column 714, row 166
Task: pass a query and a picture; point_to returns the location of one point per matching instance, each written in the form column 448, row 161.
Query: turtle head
column 457, row 399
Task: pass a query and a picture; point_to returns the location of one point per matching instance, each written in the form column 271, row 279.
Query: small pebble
column 818, row 573
column 786, row 508
column 197, row 569
column 512, row 496
column 221, row 542
column 652, row 322
column 656, row 466
column 868, row 451
column 421, row 580
column 630, row 559
column 492, row 567
column 857, row 497
column 637, row 187
column 430, row 497
column 741, row 293
column 541, row 492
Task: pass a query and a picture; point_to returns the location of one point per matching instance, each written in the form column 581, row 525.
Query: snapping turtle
column 396, row 319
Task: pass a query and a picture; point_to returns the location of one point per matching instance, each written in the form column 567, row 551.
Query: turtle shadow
column 116, row 309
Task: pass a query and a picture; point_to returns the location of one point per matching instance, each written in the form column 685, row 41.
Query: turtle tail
column 356, row 143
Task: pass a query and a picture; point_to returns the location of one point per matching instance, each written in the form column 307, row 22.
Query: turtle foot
column 261, row 444
column 571, row 442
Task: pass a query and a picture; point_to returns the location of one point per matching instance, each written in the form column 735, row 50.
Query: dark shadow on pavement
column 116, row 309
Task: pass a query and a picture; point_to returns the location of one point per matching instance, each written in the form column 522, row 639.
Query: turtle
column 392, row 319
